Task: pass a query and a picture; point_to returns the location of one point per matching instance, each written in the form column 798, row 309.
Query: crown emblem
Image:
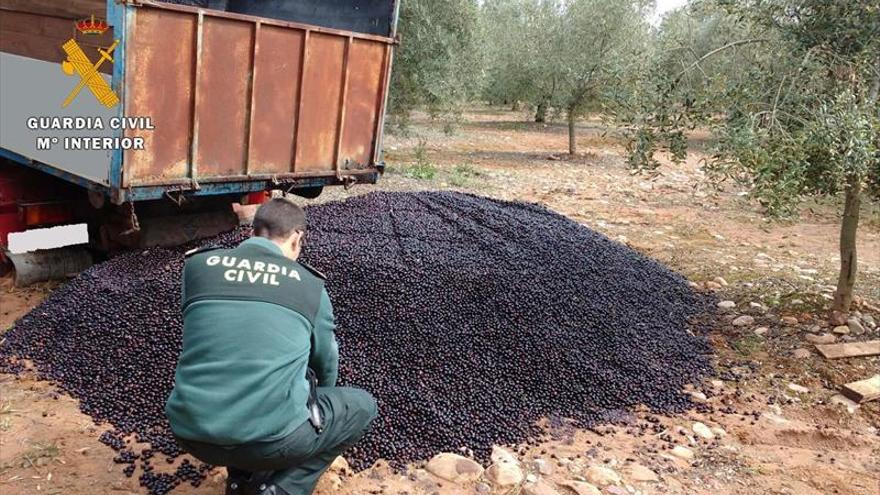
column 92, row 26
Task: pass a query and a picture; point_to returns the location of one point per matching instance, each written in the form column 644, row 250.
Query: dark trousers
column 299, row 459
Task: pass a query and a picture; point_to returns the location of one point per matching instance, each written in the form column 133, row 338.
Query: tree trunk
column 572, row 137
column 541, row 112
column 848, row 262
column 843, row 296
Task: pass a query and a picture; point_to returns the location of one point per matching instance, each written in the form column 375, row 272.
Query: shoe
column 236, row 486
column 271, row 490
column 250, row 484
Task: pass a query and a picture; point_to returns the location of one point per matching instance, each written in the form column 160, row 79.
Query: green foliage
column 789, row 88
column 462, row 174
column 818, row 126
column 519, row 50
column 643, row 142
column 422, row 169
column 748, row 345
column 568, row 54
column 437, row 65
column 814, row 158
column 601, row 40
column 466, row 170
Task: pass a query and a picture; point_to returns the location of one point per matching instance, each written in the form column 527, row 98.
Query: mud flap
column 48, row 264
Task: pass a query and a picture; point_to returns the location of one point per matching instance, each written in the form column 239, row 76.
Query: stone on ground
column 825, row 338
column 789, row 321
column 602, row 476
column 638, row 472
column 855, row 326
column 505, row 470
column 841, row 330
column 727, row 305
column 504, row 474
column 703, row 431
column 865, row 390
column 698, row 396
column 502, row 455
column 682, row 452
column 543, row 467
column 757, row 306
column 340, row 465
column 581, row 487
column 794, row 387
column 455, row 468
column 539, row 487
column 743, row 320
column 617, row 490
column 801, row 353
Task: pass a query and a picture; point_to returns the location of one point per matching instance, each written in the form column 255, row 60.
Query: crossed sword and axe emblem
column 77, row 62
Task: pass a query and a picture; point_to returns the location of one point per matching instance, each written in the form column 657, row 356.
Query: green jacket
column 253, row 322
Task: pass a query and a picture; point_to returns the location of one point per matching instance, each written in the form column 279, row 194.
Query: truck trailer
column 147, row 120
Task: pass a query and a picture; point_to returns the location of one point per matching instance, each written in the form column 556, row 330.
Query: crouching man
column 255, row 387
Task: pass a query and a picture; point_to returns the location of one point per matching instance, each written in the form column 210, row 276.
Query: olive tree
column 598, row 45
column 519, row 52
column 790, row 89
column 437, row 65
column 569, row 54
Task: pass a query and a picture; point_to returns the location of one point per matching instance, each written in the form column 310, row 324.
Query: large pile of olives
column 469, row 319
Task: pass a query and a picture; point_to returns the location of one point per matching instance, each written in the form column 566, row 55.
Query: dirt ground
column 772, row 412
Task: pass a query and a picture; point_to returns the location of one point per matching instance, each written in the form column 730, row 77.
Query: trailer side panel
column 159, row 81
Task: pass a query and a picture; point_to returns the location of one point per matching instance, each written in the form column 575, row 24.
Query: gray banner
column 35, row 88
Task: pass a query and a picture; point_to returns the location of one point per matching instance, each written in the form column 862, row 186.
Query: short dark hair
column 278, row 218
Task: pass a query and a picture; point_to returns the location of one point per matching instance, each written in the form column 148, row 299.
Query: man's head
column 282, row 222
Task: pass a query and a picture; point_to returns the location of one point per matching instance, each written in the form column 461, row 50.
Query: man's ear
column 295, row 238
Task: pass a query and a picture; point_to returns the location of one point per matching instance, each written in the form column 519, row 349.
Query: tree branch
column 719, row 49
column 776, row 100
